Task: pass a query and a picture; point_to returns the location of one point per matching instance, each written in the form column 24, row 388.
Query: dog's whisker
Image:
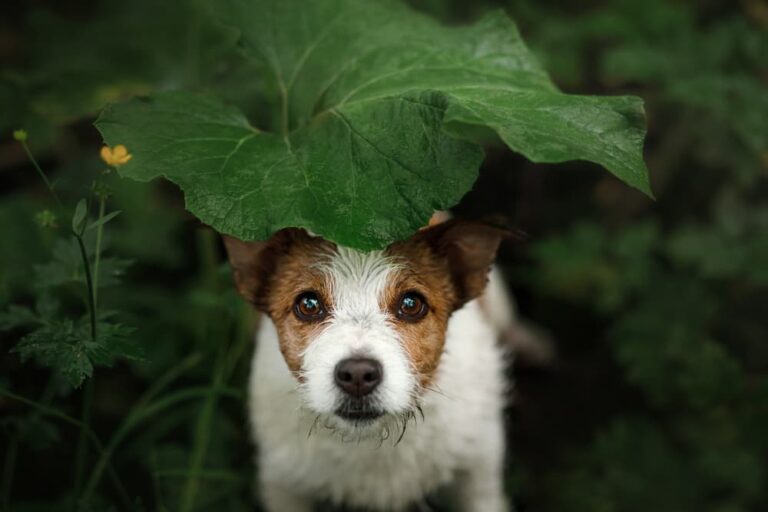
column 402, row 433
column 312, row 427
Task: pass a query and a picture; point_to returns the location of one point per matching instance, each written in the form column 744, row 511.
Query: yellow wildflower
column 115, row 156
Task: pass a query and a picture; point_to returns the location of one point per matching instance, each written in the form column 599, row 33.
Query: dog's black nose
column 358, row 377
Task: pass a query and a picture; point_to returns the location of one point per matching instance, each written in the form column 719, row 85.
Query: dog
column 377, row 377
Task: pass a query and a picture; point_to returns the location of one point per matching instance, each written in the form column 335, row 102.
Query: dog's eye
column 412, row 307
column 309, row 307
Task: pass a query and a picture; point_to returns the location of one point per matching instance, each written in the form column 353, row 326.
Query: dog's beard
column 384, row 427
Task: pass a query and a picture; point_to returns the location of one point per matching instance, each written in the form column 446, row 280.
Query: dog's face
column 363, row 333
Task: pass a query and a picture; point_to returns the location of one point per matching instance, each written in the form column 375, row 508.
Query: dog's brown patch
column 448, row 265
column 427, row 275
column 273, row 273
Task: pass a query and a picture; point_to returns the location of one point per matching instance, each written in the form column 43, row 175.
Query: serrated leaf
column 366, row 91
column 68, row 348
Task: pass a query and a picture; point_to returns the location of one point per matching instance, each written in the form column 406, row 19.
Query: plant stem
column 78, row 236
column 139, row 410
column 202, row 437
column 89, row 284
column 207, row 244
column 82, row 447
column 42, row 175
column 17, row 439
column 97, row 255
column 8, row 466
column 136, row 417
column 55, row 413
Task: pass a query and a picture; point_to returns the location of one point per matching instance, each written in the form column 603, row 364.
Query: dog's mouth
column 358, row 411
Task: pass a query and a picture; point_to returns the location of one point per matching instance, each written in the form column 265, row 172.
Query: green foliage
column 66, row 266
column 660, row 398
column 680, row 288
column 68, row 348
column 363, row 93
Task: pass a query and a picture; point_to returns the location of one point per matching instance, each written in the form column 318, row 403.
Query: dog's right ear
column 253, row 263
column 249, row 261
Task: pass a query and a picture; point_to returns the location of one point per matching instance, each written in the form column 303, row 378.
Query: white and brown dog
column 377, row 376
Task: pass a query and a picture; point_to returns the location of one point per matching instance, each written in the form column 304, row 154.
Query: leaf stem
column 78, row 236
column 42, row 174
column 82, row 448
column 88, row 282
column 97, row 255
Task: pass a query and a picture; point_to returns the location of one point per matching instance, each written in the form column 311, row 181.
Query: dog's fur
column 442, row 391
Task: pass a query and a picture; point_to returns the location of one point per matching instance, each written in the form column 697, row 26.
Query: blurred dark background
column 657, row 398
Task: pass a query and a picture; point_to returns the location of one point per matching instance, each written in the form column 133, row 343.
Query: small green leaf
column 46, row 219
column 78, row 219
column 100, row 222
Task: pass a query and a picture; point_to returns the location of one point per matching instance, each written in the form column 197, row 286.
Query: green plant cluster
column 667, row 299
column 682, row 287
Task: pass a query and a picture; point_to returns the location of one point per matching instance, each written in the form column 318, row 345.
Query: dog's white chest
column 461, row 425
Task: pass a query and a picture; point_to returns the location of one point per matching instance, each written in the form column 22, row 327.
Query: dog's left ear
column 470, row 249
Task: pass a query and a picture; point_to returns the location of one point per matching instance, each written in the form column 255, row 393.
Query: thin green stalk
column 142, row 409
column 202, row 432
column 89, row 284
column 202, row 437
column 8, row 467
column 136, row 417
column 82, row 446
column 78, row 236
column 97, row 255
column 159, row 502
column 55, row 413
column 42, row 174
column 11, row 454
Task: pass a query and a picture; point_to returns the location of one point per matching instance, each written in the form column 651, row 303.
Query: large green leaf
column 372, row 98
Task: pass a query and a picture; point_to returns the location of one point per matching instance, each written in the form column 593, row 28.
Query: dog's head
column 363, row 333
